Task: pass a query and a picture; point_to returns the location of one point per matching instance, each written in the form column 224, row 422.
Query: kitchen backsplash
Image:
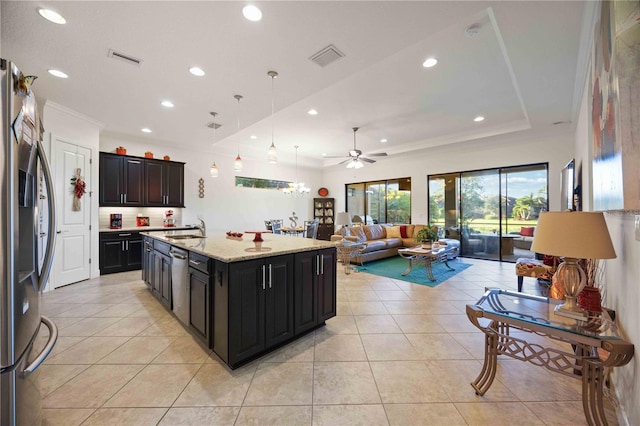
column 129, row 214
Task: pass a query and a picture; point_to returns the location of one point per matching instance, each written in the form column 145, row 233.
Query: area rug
column 393, row 267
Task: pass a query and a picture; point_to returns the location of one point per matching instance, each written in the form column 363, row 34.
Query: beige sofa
column 383, row 241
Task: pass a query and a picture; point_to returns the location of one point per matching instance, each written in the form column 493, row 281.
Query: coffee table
column 418, row 255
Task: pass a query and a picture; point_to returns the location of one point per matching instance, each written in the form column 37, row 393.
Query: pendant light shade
column 272, row 157
column 237, row 164
column 213, row 170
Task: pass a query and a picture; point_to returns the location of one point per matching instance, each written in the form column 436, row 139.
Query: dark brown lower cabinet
column 259, row 295
column 200, row 306
column 315, row 291
column 119, row 252
column 162, row 278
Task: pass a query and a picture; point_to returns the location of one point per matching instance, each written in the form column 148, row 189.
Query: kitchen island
column 243, row 300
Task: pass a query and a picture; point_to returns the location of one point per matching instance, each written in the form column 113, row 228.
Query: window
column 385, row 201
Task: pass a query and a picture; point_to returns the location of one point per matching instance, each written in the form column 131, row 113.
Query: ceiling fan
column 355, row 155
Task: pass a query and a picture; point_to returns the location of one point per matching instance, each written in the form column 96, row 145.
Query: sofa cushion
column 375, row 245
column 404, row 231
column 374, row 232
column 527, row 231
column 393, row 242
column 358, row 232
column 393, row 232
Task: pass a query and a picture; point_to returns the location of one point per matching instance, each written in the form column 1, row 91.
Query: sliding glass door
column 387, row 201
column 480, row 213
column 493, row 211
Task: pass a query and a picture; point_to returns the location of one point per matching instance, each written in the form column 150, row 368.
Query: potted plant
column 148, row 154
column 427, row 235
column 121, row 150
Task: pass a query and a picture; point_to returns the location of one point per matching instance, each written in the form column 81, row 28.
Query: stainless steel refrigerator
column 22, row 166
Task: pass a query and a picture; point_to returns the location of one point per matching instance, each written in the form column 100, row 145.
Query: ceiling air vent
column 214, row 125
column 327, row 55
column 126, row 58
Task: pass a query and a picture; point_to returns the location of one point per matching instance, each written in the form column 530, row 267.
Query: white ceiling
column 519, row 71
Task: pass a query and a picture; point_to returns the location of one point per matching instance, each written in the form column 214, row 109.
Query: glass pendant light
column 213, row 170
column 237, row 164
column 272, row 156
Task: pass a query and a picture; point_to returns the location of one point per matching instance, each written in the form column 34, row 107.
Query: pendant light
column 272, row 156
column 213, row 171
column 297, row 189
column 237, row 164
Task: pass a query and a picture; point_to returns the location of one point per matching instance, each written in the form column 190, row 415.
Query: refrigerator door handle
column 53, row 336
column 51, row 205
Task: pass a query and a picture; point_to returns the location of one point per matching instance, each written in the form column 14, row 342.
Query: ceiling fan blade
column 345, row 161
column 377, row 154
column 368, row 160
column 336, row 156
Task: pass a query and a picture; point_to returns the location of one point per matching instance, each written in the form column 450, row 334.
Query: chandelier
column 297, row 189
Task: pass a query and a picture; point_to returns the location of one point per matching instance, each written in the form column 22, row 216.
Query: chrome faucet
column 202, row 227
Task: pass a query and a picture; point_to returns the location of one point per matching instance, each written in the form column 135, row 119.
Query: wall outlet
column 637, row 227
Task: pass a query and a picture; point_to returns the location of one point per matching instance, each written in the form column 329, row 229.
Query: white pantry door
column 73, row 243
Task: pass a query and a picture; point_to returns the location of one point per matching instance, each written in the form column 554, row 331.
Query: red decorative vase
column 589, row 299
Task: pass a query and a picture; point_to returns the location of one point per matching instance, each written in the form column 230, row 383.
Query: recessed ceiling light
column 252, row 13
column 312, row 112
column 52, row 16
column 196, row 71
column 253, row 137
column 145, row 130
column 58, row 73
column 478, row 119
column 430, row 62
column 167, row 104
column 383, row 140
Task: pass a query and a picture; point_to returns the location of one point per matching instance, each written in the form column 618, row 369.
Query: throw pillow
column 526, row 231
column 393, row 232
column 403, row 231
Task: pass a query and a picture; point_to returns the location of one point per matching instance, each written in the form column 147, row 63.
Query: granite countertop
column 217, row 245
column 145, row 228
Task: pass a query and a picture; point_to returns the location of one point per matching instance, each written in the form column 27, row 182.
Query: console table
column 504, row 310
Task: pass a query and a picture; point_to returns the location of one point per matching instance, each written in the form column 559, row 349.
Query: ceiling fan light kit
column 356, row 157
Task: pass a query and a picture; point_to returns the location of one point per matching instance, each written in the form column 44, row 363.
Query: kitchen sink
column 184, row 236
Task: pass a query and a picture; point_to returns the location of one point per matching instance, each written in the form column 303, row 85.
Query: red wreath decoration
column 79, row 187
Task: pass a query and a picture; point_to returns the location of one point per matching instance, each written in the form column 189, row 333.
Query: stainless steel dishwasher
column 180, row 283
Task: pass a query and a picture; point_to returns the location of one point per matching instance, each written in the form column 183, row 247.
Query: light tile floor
column 397, row 353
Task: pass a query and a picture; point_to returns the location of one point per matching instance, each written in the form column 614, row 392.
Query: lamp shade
column 343, row 218
column 580, row 235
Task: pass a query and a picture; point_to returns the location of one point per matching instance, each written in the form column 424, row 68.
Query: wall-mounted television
column 567, row 186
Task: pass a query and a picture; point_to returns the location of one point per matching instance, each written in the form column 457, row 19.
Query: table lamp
column 574, row 236
column 343, row 219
